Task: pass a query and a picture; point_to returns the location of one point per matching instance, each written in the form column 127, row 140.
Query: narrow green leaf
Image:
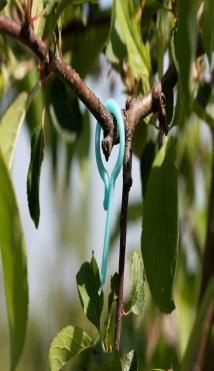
column 160, row 227
column 146, row 161
column 185, row 43
column 202, row 114
column 110, row 322
column 179, row 116
column 207, row 28
column 10, row 125
column 69, row 342
column 88, row 285
column 136, row 300
column 131, row 361
column 14, row 264
column 64, row 110
column 89, row 43
column 206, row 307
column 125, row 41
column 34, row 170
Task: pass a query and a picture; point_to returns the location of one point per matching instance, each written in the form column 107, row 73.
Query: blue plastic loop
column 109, row 181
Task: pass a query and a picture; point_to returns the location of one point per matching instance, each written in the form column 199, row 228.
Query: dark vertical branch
column 127, row 182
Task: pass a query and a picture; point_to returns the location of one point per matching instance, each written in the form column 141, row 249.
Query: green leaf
column 160, row 227
column 10, row 125
column 207, row 28
column 14, row 264
column 136, row 300
column 110, row 322
column 64, row 110
column 131, row 361
column 34, row 170
column 3, row 3
column 125, row 41
column 206, row 308
column 104, row 361
column 69, row 342
column 53, row 10
column 88, row 285
column 89, row 42
column 146, row 161
column 185, row 43
column 201, row 112
column 179, row 116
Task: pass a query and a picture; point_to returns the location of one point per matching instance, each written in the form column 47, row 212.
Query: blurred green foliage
column 139, row 39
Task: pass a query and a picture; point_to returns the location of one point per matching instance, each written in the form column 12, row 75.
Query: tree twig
column 127, row 182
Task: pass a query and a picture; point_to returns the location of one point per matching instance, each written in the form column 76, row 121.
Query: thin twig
column 127, row 182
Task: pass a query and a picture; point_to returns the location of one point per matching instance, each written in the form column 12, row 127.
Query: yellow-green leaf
column 207, row 28
column 10, row 125
column 135, row 303
column 125, row 41
column 69, row 342
column 14, row 264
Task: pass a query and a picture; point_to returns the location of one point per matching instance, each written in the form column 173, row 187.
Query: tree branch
column 136, row 109
column 57, row 65
column 127, row 182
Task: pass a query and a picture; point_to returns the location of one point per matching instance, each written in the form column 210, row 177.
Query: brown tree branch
column 136, row 109
column 57, row 65
column 127, row 182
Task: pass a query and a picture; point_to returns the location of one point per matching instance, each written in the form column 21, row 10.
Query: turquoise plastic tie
column 109, row 181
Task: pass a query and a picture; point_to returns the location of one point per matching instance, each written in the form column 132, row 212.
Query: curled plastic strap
column 109, row 181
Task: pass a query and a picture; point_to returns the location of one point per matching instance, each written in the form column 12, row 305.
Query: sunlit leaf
column 160, row 227
column 69, row 342
column 206, row 308
column 88, row 285
column 125, row 41
column 14, row 264
column 130, row 363
column 207, row 28
column 34, row 170
column 10, row 125
column 135, row 303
